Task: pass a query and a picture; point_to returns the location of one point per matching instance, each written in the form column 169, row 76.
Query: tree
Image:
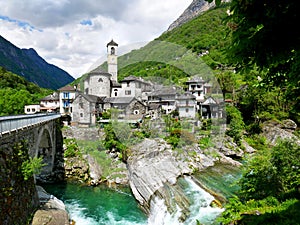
column 265, row 35
column 272, row 172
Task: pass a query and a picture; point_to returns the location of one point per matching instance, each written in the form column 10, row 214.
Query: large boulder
column 95, row 170
column 52, row 210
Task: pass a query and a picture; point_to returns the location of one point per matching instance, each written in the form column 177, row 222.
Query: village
column 133, row 97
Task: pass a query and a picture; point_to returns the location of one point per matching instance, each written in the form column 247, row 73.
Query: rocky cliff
column 194, row 9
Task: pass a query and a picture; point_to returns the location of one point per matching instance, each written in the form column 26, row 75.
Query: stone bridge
column 41, row 133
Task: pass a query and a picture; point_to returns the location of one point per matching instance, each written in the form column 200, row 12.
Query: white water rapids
column 200, row 208
column 96, row 206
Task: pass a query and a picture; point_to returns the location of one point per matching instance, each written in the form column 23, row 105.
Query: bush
column 236, row 123
column 72, row 148
column 32, row 166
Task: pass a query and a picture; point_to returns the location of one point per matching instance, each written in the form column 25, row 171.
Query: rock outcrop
column 52, row 210
column 95, row 171
column 77, row 169
column 154, row 168
column 150, row 167
column 274, row 130
column 195, row 8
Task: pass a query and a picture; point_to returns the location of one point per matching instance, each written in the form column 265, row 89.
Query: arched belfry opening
column 46, row 151
column 112, row 50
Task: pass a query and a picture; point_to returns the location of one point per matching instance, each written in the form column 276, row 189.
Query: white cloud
column 72, row 34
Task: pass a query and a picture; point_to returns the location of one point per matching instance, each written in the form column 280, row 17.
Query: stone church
column 102, row 91
column 101, row 83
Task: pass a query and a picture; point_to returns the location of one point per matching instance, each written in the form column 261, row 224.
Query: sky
column 72, row 34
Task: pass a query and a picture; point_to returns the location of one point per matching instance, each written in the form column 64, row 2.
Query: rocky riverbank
column 153, row 166
column 52, row 211
column 93, row 165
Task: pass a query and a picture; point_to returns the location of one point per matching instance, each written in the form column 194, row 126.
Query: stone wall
column 18, row 197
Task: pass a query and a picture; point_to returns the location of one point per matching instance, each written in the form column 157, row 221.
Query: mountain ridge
column 193, row 10
column 28, row 64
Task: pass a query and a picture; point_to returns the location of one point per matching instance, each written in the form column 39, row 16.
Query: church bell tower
column 112, row 59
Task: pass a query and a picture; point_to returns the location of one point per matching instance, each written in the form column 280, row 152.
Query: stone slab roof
column 112, row 42
column 67, row 88
column 98, row 71
column 52, row 97
column 92, row 98
column 164, row 91
column 119, row 100
column 186, row 95
column 196, row 79
column 115, row 84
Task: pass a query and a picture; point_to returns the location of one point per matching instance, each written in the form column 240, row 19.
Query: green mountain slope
column 196, row 47
column 28, row 64
column 16, row 92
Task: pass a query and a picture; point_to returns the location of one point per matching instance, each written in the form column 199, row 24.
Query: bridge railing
column 14, row 123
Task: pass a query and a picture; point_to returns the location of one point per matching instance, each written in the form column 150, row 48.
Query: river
column 105, row 206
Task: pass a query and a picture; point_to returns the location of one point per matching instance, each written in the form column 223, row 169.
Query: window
column 187, row 102
column 100, row 80
column 116, row 94
column 28, row 109
column 136, row 112
column 128, row 84
column 33, row 110
column 81, row 114
column 66, row 94
column 81, row 105
column 128, row 92
column 187, row 110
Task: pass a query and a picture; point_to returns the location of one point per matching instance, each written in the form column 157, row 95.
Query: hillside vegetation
column 16, row 92
column 262, row 88
column 28, row 64
column 201, row 47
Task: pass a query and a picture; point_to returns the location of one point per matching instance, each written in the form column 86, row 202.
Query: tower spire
column 112, row 59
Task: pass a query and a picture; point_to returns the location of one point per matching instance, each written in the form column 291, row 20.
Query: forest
column 16, row 92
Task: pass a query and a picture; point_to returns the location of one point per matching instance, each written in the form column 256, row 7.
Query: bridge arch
column 46, row 148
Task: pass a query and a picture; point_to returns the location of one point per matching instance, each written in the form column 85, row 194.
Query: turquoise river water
column 104, row 206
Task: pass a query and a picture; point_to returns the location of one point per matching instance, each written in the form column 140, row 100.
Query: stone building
column 86, row 109
column 98, row 83
column 211, row 108
column 135, row 87
column 101, row 83
column 186, row 105
column 50, row 103
column 126, row 105
column 164, row 96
